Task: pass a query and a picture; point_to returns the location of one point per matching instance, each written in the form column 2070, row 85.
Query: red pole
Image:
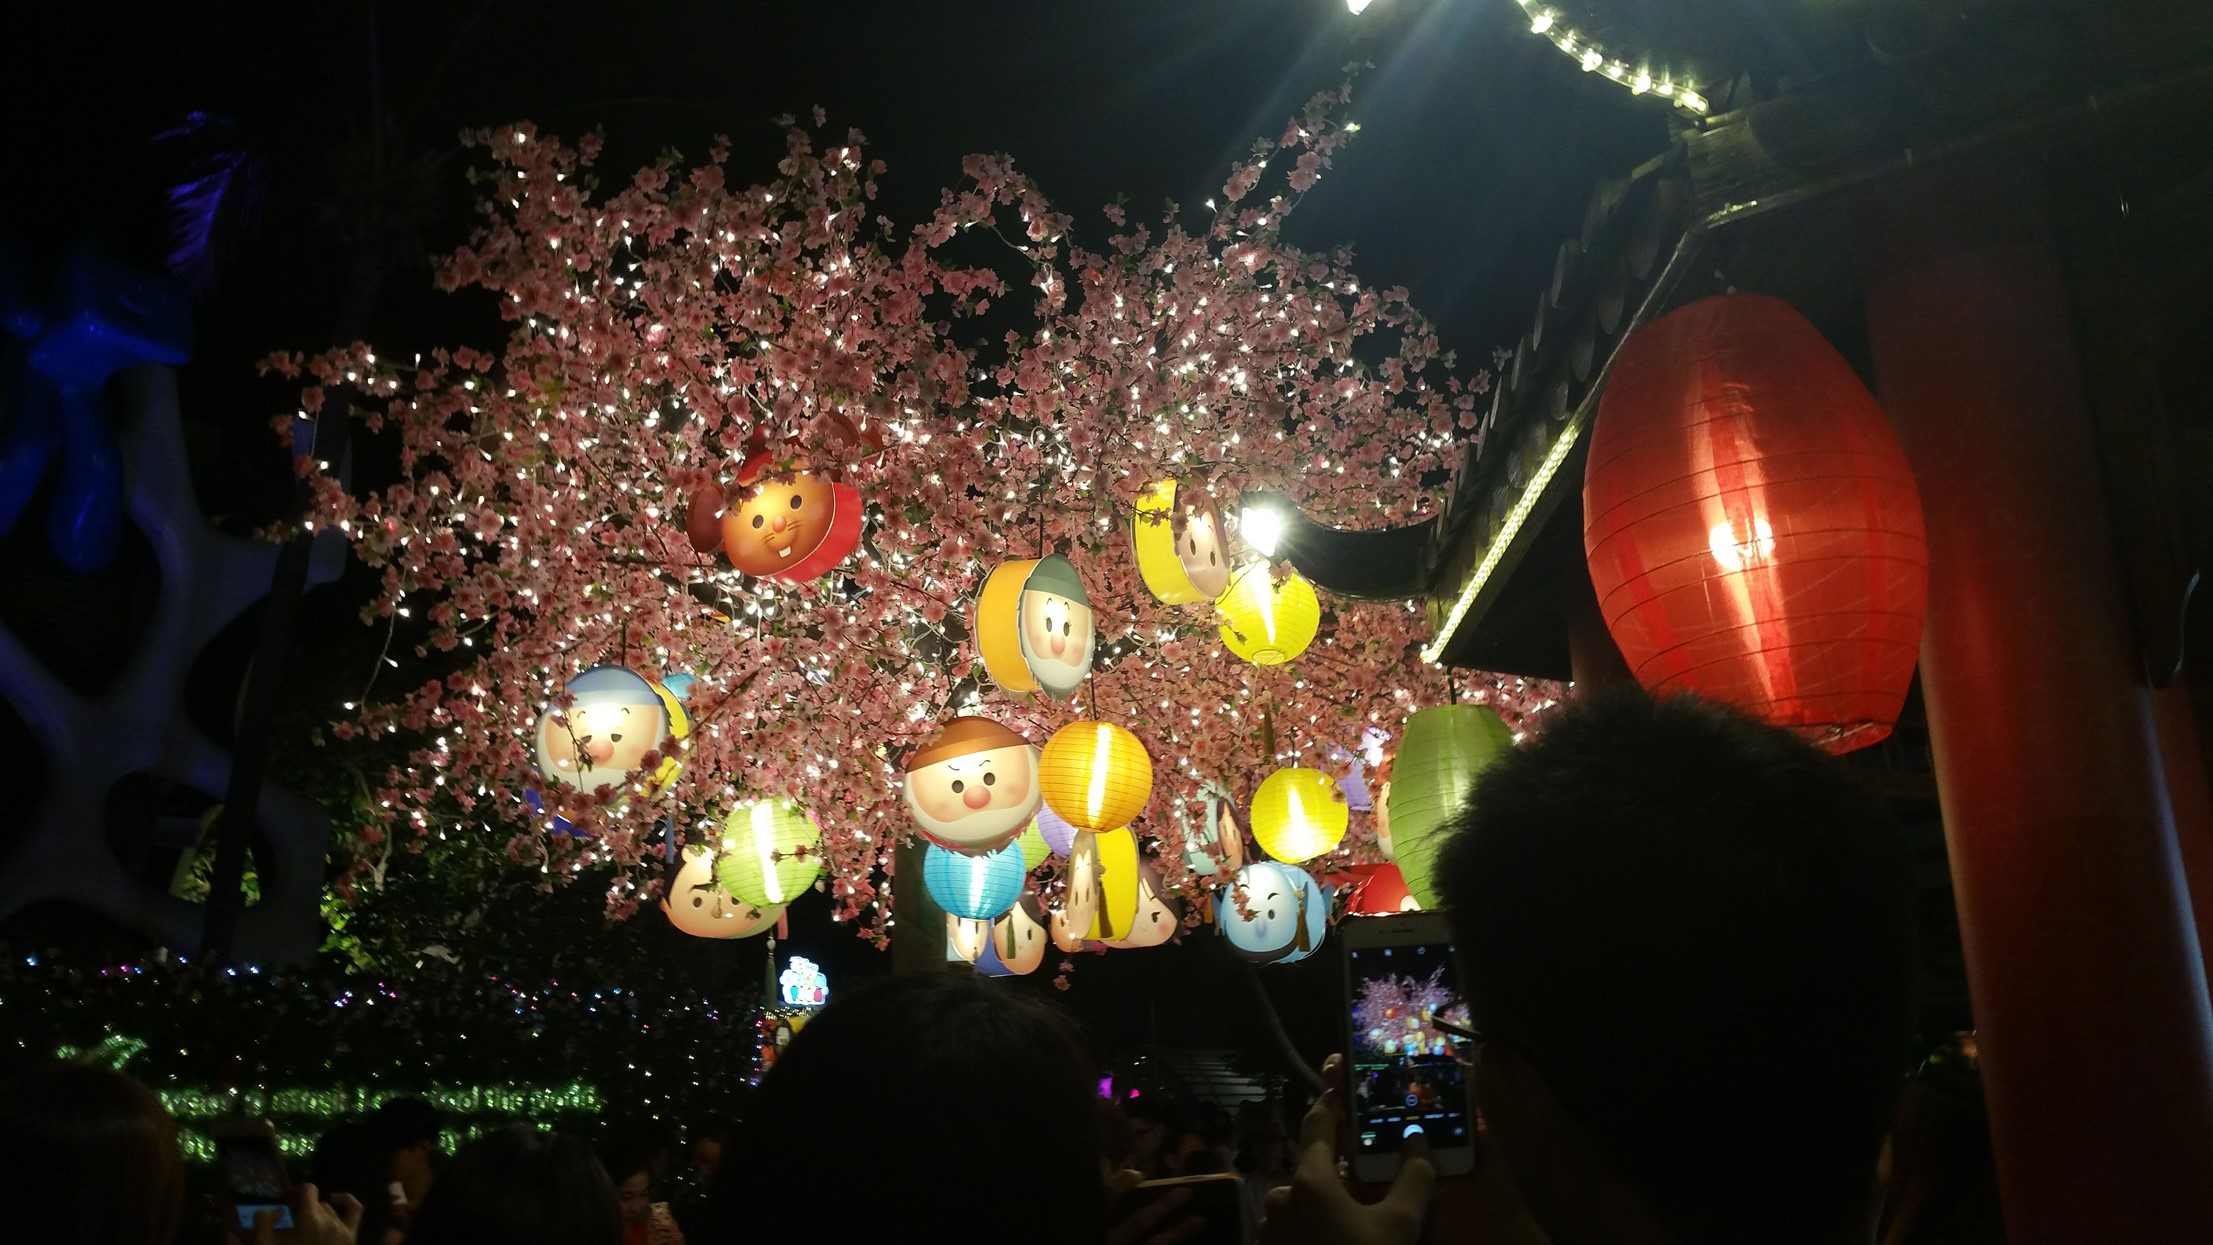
column 2082, row 956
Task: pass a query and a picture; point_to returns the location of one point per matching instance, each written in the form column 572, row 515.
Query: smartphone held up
column 1402, row 1068
column 253, row 1170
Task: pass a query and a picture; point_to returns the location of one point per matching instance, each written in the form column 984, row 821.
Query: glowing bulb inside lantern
column 1358, row 6
column 1262, row 527
column 1735, row 555
column 1096, row 796
column 764, row 846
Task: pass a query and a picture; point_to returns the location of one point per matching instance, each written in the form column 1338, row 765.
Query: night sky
column 1478, row 149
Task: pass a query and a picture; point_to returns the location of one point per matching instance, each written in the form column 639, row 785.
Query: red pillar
column 2082, row 956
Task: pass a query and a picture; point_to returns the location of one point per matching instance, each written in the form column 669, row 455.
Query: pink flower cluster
column 992, row 385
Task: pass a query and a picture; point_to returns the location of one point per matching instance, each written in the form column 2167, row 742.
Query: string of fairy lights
column 1636, row 70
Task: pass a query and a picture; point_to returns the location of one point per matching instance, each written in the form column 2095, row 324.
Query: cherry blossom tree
column 993, row 384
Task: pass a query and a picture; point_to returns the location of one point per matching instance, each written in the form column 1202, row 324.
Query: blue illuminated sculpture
column 101, row 318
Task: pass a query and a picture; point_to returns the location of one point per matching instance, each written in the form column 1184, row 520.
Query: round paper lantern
column 1032, row 623
column 1298, row 814
column 1269, row 623
column 771, row 851
column 1033, row 845
column 1059, row 836
column 1096, row 775
column 1155, row 919
column 973, row 787
column 1442, row 752
column 694, row 903
column 1289, row 913
column 792, row 528
column 1753, row 530
column 1102, row 884
column 1017, row 944
column 614, row 719
column 977, row 887
column 1182, row 549
column 1379, row 890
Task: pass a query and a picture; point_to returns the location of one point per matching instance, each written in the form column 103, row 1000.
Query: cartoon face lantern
column 1182, row 552
column 602, row 738
column 1158, row 914
column 1103, row 883
column 974, row 787
column 1032, row 623
column 792, row 528
column 966, row 937
column 1017, row 945
column 1290, row 913
column 1215, row 848
column 695, row 904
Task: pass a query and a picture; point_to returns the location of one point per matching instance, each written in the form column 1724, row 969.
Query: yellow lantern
column 1182, row 552
column 1102, row 884
column 1096, row 775
column 1033, row 626
column 1269, row 623
column 1298, row 814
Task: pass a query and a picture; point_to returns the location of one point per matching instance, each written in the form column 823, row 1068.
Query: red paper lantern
column 1379, row 890
column 1753, row 530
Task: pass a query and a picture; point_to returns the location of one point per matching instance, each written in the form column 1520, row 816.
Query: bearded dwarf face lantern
column 1033, row 626
column 974, row 787
column 791, row 528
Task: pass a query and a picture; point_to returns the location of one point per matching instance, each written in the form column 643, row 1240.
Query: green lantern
column 1440, row 756
column 1034, row 847
column 771, row 851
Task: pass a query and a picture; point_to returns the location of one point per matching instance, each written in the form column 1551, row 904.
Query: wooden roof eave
column 1527, row 458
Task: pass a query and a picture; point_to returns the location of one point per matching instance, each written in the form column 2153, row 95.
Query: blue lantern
column 976, row 887
column 1290, row 913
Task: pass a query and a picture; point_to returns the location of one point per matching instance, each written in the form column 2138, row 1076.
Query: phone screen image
column 255, row 1173
column 1406, row 1079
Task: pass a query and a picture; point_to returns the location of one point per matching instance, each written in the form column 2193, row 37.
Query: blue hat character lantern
column 1289, row 913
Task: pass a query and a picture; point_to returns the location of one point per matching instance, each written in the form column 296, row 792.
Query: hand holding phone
column 1318, row 1205
column 253, row 1171
column 1401, row 1067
